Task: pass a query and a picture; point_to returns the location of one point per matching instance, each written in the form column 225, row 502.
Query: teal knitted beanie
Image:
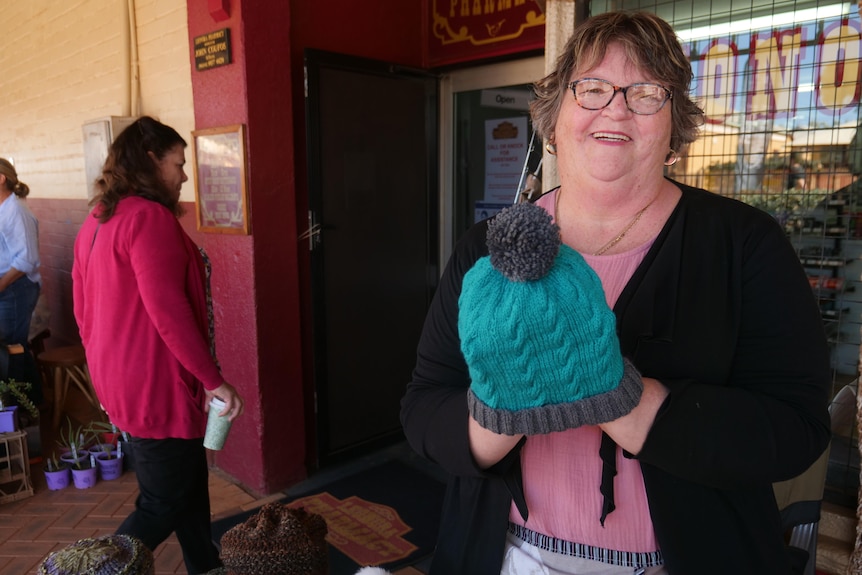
column 537, row 335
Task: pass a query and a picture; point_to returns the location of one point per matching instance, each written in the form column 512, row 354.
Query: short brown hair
column 649, row 43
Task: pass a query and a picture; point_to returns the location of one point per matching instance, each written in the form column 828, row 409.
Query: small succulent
column 17, row 390
column 73, row 438
column 53, row 463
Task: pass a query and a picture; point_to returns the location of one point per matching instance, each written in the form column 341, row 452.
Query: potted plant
column 110, row 433
column 13, row 394
column 84, row 472
column 57, row 473
column 109, row 461
column 73, row 442
column 105, row 435
column 9, row 419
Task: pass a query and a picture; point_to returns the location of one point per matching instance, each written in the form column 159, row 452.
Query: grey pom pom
column 523, row 242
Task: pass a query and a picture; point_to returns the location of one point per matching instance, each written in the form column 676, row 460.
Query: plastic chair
column 799, row 500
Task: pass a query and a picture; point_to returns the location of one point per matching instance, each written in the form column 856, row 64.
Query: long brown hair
column 130, row 171
column 13, row 184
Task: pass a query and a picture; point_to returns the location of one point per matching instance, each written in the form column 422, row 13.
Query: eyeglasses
column 595, row 94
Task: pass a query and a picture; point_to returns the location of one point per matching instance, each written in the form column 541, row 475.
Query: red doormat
column 368, row 533
column 387, row 516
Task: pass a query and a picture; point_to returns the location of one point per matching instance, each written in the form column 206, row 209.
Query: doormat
column 386, row 516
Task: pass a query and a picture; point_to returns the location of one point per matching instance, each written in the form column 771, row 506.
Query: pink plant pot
column 111, row 438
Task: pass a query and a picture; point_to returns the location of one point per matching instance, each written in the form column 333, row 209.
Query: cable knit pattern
column 541, row 346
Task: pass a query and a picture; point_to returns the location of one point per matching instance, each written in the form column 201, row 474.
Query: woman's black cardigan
column 721, row 312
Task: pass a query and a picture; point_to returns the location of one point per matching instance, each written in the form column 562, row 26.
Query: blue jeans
column 17, row 303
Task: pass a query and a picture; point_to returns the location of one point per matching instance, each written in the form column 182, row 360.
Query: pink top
column 140, row 304
column 562, row 471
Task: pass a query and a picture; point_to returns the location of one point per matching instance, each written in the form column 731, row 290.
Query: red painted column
column 255, row 278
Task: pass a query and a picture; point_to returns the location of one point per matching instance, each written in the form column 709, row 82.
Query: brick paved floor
column 31, row 528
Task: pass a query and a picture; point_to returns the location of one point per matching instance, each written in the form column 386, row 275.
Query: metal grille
column 780, row 83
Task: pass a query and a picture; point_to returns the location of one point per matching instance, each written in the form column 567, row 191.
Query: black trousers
column 174, row 497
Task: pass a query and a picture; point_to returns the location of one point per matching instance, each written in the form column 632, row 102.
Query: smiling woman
column 700, row 287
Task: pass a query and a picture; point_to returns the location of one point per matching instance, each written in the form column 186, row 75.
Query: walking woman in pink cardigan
column 140, row 302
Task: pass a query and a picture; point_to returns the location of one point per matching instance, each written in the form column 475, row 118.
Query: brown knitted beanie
column 277, row 540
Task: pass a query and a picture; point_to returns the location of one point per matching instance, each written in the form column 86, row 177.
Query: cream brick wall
column 65, row 63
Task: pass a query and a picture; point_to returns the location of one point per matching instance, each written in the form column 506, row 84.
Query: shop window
column 494, row 124
column 780, row 82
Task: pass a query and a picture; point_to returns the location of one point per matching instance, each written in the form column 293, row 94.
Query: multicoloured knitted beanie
column 536, row 332
column 277, row 540
column 107, row 555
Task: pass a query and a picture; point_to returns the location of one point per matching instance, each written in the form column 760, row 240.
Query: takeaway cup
column 217, row 427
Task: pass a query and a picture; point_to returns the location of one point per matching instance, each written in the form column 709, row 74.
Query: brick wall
column 59, row 221
column 64, row 64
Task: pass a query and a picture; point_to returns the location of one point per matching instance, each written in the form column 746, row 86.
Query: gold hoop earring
column 671, row 158
column 551, row 148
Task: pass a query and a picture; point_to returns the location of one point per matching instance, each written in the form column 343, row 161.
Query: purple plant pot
column 58, row 479
column 71, row 461
column 110, row 466
column 9, row 419
column 102, row 448
column 84, row 478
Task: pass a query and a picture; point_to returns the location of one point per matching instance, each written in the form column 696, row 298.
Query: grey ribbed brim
column 593, row 410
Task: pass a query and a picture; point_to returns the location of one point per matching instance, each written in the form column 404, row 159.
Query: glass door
column 487, row 143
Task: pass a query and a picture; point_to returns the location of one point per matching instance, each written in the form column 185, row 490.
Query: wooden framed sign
column 221, row 196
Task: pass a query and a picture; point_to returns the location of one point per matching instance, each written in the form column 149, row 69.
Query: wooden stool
column 67, row 365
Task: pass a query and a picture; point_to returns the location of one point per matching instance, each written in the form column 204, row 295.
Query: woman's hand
column 233, row 403
column 630, row 431
column 9, row 278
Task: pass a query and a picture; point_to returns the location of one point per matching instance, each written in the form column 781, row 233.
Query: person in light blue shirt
column 19, row 278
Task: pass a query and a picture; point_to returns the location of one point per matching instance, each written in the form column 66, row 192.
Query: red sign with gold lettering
column 464, row 30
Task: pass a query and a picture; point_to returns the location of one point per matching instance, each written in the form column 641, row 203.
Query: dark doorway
column 372, row 193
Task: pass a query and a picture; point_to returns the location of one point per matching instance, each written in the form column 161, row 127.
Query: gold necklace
column 621, row 235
